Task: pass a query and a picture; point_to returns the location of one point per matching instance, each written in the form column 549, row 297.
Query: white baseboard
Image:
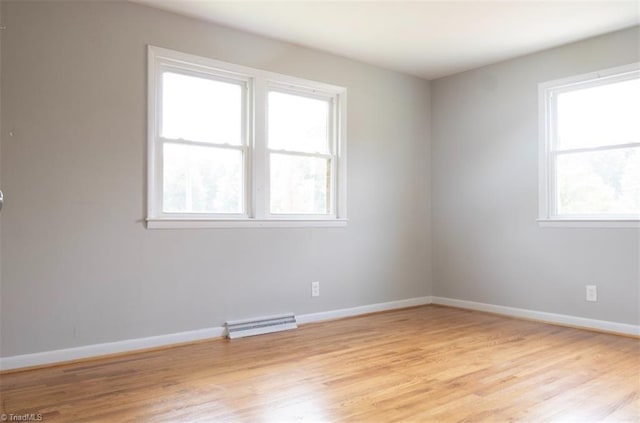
column 130, row 345
column 356, row 311
column 96, row 350
column 561, row 319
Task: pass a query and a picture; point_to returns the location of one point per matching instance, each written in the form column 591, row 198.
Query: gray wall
column 78, row 266
column 1, row 36
column 486, row 242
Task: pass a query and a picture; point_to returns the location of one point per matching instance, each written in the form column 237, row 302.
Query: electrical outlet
column 315, row 289
column 592, row 293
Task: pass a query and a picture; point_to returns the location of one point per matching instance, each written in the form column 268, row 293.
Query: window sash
column 332, row 118
column 244, row 83
column 551, row 98
column 553, row 197
column 244, row 198
column 331, row 194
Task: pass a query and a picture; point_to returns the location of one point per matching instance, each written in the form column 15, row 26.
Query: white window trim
column 547, row 216
column 256, row 152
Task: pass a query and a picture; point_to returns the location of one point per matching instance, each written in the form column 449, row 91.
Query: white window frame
column 547, row 95
column 257, row 83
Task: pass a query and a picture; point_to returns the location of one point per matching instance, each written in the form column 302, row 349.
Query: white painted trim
column 365, row 309
column 601, row 74
column 216, row 66
column 561, row 319
column 131, row 345
column 95, row 350
column 544, row 188
column 577, row 223
column 167, row 223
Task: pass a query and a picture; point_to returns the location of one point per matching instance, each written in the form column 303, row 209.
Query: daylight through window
column 235, row 146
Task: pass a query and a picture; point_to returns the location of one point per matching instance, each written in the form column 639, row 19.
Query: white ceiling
column 424, row 38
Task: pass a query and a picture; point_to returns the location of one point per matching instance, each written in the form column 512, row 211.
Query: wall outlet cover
column 592, row 293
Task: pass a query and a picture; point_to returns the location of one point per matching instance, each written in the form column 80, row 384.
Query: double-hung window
column 235, row 146
column 590, row 148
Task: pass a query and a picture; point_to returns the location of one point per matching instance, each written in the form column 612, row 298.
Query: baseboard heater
column 260, row 325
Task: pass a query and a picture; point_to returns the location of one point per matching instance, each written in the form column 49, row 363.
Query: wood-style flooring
column 424, row 364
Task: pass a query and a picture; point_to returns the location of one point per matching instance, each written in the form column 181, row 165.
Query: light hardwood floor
column 421, row 364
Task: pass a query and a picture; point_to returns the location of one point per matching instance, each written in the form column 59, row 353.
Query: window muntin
column 234, row 144
column 590, row 154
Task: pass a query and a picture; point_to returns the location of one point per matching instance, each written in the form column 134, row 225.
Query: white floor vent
column 260, row 325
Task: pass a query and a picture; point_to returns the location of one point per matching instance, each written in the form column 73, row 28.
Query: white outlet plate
column 592, row 293
column 315, row 289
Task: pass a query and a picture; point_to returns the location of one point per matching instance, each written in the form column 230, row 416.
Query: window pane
column 199, row 109
column 598, row 116
column 299, row 185
column 298, row 123
column 202, row 179
column 599, row 182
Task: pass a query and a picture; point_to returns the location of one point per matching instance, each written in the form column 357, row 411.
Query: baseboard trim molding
column 366, row 309
column 105, row 349
column 542, row 316
column 56, row 357
column 62, row 356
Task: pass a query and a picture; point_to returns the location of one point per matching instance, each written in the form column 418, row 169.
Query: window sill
column 165, row 223
column 588, row 223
